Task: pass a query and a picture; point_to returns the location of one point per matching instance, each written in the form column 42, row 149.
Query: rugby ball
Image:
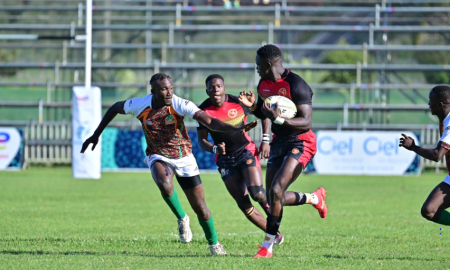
column 286, row 107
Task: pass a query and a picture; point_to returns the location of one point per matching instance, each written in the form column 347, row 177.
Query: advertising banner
column 10, row 145
column 86, row 115
column 356, row 152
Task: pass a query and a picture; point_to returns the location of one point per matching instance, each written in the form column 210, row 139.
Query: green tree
column 341, row 57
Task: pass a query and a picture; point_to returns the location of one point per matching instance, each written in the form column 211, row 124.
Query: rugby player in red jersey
column 293, row 144
column 169, row 150
column 237, row 157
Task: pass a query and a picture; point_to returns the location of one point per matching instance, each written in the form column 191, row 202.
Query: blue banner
column 125, row 149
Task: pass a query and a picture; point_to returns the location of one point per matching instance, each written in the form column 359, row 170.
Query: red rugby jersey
column 232, row 112
column 290, row 85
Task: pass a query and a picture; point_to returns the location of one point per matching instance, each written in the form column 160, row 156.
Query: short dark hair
column 159, row 77
column 213, row 76
column 269, row 51
column 442, row 92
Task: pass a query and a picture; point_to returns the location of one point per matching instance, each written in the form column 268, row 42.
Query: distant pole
column 87, row 70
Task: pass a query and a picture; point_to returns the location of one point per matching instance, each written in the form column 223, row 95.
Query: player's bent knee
column 202, row 212
column 166, row 187
column 258, row 193
column 427, row 212
column 276, row 193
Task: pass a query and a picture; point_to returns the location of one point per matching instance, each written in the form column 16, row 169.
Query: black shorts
column 301, row 147
column 234, row 163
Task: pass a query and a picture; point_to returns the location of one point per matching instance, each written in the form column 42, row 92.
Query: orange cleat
column 263, row 253
column 321, row 206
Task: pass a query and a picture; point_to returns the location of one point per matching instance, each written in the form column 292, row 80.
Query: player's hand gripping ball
column 286, row 107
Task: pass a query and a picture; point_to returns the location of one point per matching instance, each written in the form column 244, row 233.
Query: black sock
column 272, row 224
column 300, row 198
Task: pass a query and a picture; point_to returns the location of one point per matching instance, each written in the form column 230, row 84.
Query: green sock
column 210, row 231
column 444, row 219
column 175, row 205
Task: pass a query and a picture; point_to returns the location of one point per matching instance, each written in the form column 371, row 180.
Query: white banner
column 356, row 152
column 86, row 115
column 9, row 146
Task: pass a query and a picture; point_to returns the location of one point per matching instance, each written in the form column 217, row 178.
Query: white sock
column 268, row 242
column 312, row 198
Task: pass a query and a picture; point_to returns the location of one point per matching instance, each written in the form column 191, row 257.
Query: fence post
column 345, row 114
column 80, row 14
column 178, row 15
column 270, row 37
column 358, row 74
column 371, row 35
column 277, row 15
column 377, row 15
column 171, row 30
column 163, row 52
column 364, row 54
column 352, row 94
column 41, row 110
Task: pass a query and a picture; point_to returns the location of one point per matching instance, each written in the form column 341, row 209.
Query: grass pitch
column 50, row 221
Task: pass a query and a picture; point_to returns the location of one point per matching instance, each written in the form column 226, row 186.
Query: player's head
column 215, row 87
column 439, row 99
column 266, row 57
column 162, row 88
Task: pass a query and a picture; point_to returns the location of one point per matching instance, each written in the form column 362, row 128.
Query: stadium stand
column 135, row 38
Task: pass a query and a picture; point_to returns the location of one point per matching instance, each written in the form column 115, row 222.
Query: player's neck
column 278, row 72
column 157, row 104
column 443, row 115
column 220, row 103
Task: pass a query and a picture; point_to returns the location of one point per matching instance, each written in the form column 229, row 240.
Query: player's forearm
column 205, row 145
column 219, row 126
column 108, row 117
column 266, row 126
column 431, row 154
column 258, row 111
column 298, row 123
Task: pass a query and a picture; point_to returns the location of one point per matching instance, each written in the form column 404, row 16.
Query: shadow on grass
column 122, row 253
column 375, row 258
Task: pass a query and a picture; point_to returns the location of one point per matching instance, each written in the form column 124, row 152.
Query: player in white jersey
column 169, row 150
column 434, row 207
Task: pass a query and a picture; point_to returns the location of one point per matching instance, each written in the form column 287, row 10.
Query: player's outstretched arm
column 107, row 118
column 219, row 126
column 302, row 121
column 207, row 146
column 431, row 154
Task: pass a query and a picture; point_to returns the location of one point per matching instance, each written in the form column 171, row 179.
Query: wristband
column 214, row 149
column 266, row 138
column 253, row 107
column 279, row 120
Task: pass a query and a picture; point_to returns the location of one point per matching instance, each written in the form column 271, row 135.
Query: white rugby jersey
column 164, row 129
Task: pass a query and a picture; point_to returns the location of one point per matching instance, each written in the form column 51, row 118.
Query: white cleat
column 184, row 230
column 217, row 249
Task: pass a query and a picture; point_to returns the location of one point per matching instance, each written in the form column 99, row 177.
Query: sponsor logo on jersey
column 232, row 113
column 249, row 161
column 148, row 122
column 129, row 104
column 186, row 102
column 224, row 172
column 295, row 151
column 266, row 90
column 282, row 92
column 170, row 120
